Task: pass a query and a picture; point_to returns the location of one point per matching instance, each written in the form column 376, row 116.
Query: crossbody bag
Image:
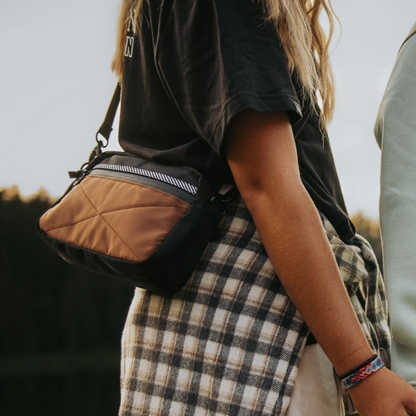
column 142, row 222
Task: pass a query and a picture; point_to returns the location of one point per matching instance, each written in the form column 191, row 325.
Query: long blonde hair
column 300, row 31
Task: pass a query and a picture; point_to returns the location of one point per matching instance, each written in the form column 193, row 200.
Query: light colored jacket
column 395, row 132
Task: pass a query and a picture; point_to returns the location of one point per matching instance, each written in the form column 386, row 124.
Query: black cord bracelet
column 355, row 369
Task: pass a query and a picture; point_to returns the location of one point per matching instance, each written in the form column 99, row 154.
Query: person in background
column 230, row 87
column 395, row 132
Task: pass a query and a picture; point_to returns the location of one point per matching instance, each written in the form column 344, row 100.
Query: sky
column 56, row 84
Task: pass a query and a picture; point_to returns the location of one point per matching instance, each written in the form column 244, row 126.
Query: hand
column 384, row 394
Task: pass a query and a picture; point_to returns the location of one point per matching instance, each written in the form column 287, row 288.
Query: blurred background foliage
column 60, row 326
column 370, row 230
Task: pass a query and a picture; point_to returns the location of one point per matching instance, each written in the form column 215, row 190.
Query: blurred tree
column 46, row 304
column 370, row 230
column 59, row 325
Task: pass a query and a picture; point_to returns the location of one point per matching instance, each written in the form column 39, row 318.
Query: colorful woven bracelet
column 358, row 367
column 362, row 373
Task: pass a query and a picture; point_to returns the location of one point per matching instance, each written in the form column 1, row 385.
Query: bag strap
column 107, row 127
column 105, row 130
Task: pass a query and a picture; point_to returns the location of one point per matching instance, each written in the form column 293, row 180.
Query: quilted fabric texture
column 114, row 217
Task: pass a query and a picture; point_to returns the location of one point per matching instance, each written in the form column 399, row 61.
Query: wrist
column 369, row 386
column 361, row 372
column 353, row 360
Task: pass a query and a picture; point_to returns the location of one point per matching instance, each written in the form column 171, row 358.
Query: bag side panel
column 114, row 217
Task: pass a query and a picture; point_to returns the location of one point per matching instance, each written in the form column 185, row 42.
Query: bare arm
column 261, row 152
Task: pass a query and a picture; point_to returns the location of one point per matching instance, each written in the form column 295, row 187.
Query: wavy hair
column 301, row 33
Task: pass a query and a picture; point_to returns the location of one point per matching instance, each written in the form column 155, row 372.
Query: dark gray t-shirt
column 192, row 66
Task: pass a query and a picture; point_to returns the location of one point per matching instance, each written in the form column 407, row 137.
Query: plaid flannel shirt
column 230, row 342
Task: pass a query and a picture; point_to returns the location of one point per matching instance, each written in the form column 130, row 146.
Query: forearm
column 293, row 235
column 262, row 155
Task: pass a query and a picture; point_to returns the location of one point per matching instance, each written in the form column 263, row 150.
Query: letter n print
column 128, row 50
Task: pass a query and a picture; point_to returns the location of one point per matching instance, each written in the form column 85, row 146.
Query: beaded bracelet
column 361, row 372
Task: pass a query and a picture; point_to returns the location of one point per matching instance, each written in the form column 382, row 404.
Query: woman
column 230, row 88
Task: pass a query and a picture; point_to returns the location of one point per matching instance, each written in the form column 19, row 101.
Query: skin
column 261, row 153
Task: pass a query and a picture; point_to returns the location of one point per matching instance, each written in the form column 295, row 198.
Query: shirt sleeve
column 216, row 58
column 395, row 131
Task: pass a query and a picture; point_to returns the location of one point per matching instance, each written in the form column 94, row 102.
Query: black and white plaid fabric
column 229, row 343
column 365, row 284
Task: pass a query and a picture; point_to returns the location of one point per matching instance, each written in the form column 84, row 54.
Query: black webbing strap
column 104, row 131
column 107, row 127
